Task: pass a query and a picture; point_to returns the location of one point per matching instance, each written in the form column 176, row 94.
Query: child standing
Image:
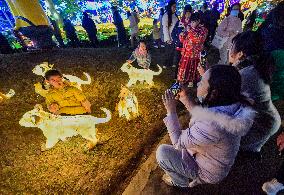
column 142, row 56
column 193, row 40
column 64, row 99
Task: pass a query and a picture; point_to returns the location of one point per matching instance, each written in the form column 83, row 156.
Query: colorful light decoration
column 56, row 127
column 141, row 75
column 128, row 104
column 42, row 68
column 10, row 94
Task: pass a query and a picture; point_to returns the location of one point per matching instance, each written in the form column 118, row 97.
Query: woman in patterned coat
column 193, row 40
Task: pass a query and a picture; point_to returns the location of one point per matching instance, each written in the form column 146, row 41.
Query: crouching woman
column 206, row 151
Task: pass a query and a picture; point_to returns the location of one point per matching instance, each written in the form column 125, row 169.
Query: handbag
column 219, row 42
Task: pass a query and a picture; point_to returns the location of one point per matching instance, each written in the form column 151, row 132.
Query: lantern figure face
column 42, row 68
column 10, row 94
column 128, row 105
column 141, row 75
column 56, row 127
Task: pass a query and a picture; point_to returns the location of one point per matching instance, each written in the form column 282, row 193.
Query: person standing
column 180, row 27
column 70, row 32
column 236, row 7
column 214, row 17
column 169, row 21
column 57, row 32
column 121, row 32
column 227, row 30
column 193, row 40
column 133, row 27
column 272, row 31
column 162, row 12
column 91, row 29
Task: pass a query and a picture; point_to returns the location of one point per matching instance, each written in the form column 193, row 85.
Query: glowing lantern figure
column 41, row 69
column 141, row 75
column 56, row 127
column 128, row 105
column 10, row 94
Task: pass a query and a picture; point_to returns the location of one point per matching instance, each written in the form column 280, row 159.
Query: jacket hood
column 236, row 119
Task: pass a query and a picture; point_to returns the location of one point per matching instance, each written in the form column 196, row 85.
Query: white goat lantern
column 56, row 127
column 128, row 105
column 141, row 75
column 6, row 96
column 41, row 69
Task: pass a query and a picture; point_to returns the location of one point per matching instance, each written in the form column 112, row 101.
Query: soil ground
column 67, row 167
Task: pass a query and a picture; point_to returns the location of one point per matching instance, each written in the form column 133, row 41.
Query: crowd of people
column 233, row 113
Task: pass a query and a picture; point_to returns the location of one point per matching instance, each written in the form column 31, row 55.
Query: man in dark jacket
column 118, row 22
column 90, row 27
column 57, row 32
column 70, row 32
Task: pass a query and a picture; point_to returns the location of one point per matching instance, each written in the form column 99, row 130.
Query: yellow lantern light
column 128, row 104
column 56, row 127
column 141, row 75
column 42, row 68
column 10, row 94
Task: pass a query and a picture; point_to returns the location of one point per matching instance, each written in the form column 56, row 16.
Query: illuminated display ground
column 67, row 167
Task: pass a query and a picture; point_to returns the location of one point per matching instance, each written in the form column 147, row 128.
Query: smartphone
column 203, row 59
column 175, row 88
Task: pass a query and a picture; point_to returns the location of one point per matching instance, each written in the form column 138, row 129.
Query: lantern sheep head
column 56, row 127
column 128, row 105
column 42, row 68
column 6, row 96
column 75, row 81
column 141, row 75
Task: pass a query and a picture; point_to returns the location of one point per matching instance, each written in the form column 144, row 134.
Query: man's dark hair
column 51, row 73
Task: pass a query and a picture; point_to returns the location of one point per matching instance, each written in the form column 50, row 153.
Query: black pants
column 169, row 55
column 177, row 57
column 280, row 174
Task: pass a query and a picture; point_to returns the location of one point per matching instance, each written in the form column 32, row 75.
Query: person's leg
column 265, row 125
column 169, row 55
column 280, row 174
column 180, row 166
column 132, row 40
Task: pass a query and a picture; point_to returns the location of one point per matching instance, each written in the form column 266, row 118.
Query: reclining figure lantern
column 56, row 127
column 41, row 69
column 10, row 94
column 128, row 105
column 141, row 75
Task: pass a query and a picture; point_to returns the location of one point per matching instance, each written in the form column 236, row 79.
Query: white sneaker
column 174, row 66
column 190, row 84
column 272, row 187
column 163, row 46
column 156, row 46
column 167, row 179
column 164, row 67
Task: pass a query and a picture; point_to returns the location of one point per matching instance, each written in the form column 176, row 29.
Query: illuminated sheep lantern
column 141, row 75
column 41, row 69
column 10, row 94
column 56, row 127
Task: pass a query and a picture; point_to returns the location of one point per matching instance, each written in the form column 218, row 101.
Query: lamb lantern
column 128, row 105
column 56, row 127
column 141, row 75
